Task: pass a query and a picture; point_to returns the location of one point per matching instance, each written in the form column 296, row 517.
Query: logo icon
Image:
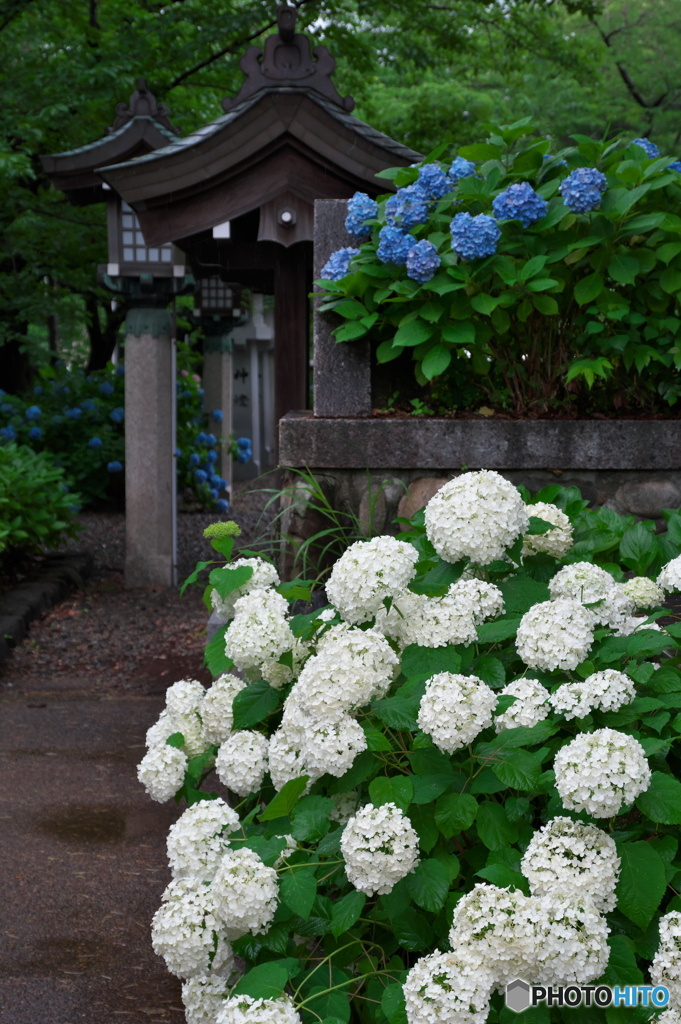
column 518, row 995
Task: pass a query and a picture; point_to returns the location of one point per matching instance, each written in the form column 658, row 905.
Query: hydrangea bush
column 522, row 274
column 461, row 771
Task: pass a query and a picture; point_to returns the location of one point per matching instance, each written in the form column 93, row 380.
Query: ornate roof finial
column 288, row 63
column 142, row 104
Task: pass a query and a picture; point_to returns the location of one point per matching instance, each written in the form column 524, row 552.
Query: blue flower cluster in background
column 338, row 264
column 582, row 190
column 422, row 262
column 474, row 237
column 393, row 245
column 433, row 181
column 408, row 207
column 361, row 208
column 650, row 148
column 244, row 451
column 520, row 202
column 460, row 168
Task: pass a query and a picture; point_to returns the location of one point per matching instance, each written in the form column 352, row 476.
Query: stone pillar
column 217, row 389
column 342, row 372
column 149, row 448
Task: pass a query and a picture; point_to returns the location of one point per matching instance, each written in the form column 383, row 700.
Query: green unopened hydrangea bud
column 228, row 529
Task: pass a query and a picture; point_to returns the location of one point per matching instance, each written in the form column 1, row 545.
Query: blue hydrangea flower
column 88, row 405
column 200, row 476
column 120, row 371
column 408, row 207
column 200, row 438
column 217, row 415
column 222, row 483
column 201, row 392
column 434, row 182
column 118, row 415
column 33, row 412
column 244, row 442
column 114, row 467
column 338, row 264
column 474, row 237
column 106, row 389
column 7, row 407
column 37, row 390
column 676, row 166
column 178, row 452
column 194, row 459
column 422, row 261
column 393, row 245
column 212, row 456
column 461, row 168
column 74, row 414
column 244, row 455
column 8, row 433
column 520, row 202
column 214, row 480
column 95, row 442
column 650, row 148
column 211, row 440
column 35, row 433
column 361, row 208
column 214, row 492
column 583, row 189
column 222, row 505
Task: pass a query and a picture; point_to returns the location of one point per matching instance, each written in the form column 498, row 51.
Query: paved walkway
column 82, row 847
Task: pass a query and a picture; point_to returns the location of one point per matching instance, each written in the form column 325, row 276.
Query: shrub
column 525, row 276
column 36, row 506
column 476, row 784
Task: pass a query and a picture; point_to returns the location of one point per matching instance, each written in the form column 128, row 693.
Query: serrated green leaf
column 455, row 812
column 226, row 580
column 661, row 802
column 421, row 661
column 500, row 629
column 412, row 334
column 494, row 828
column 297, row 889
column 518, row 769
column 285, row 800
column 266, row 981
column 641, row 884
column 346, row 911
column 436, row 361
column 397, row 790
column 253, row 704
column 214, row 654
column 588, row 289
column 310, row 818
column 428, row 885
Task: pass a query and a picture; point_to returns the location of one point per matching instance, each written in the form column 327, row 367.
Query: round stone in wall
column 419, row 493
column 648, row 497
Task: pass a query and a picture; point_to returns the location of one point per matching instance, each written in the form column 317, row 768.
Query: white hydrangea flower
column 670, row 1016
column 246, row 1010
column 216, row 710
column 379, row 847
column 326, row 615
column 643, row 592
column 568, row 856
column 161, row 772
column 484, row 600
column 159, row 732
column 608, row 690
column 601, row 772
column 428, row 621
column 443, row 989
column 285, row 756
column 204, row 996
column 242, row 761
column 454, row 709
column 531, row 705
column 670, row 577
column 199, row 838
column 264, row 575
column 666, row 966
column 593, row 586
column 186, row 932
column 259, row 631
column 278, row 675
column 496, row 929
column 554, row 542
column 572, row 941
column 333, row 746
column 476, row 515
column 367, row 573
column 245, row 893
column 555, row 634
column 185, row 696
column 189, row 724
column 634, row 623
column 345, row 806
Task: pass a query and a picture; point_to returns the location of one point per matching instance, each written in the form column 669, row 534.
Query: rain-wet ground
column 82, row 847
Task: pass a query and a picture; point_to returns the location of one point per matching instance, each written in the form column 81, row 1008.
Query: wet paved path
column 82, row 847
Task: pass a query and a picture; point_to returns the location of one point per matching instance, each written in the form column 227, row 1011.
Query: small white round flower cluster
column 554, row 542
column 568, row 856
column 217, row 711
column 476, row 515
column 333, row 746
column 182, row 713
column 367, row 573
column 555, row 634
column 670, row 577
column 203, row 997
column 601, row 772
column 247, row 1010
column 379, row 847
column 345, row 806
column 454, row 709
column 643, row 592
column 484, row 600
column 428, row 621
column 264, row 575
column 245, row 894
column 199, row 839
column 186, row 932
column 285, row 756
column 259, row 632
column 572, row 942
column 666, row 966
column 241, row 762
column 443, row 988
column 593, row 586
column 608, row 690
column 670, row 1016
column 161, row 772
column 531, row 705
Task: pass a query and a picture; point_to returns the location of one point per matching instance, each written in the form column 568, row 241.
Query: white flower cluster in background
column 182, row 713
column 666, row 966
column 644, row 593
column 199, row 839
column 555, row 634
column 245, row 892
column 186, row 931
column 443, row 989
column 571, row 856
column 264, row 575
column 241, row 762
column 161, row 772
column 367, row 573
column 670, row 1016
column 216, row 710
column 609, row 604
column 379, row 847
column 601, row 772
column 476, row 515
column 670, row 577
column 484, row 600
column 428, row 621
column 608, row 690
column 247, row 1010
column 531, row 705
column 454, row 709
column 554, row 542
column 259, row 634
column 203, row 997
